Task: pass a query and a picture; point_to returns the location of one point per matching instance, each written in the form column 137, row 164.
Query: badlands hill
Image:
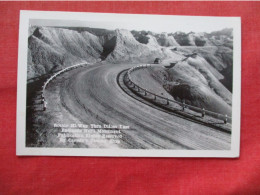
column 166, row 40
column 216, row 38
column 52, row 48
column 190, row 39
column 204, row 80
column 163, row 39
column 195, row 81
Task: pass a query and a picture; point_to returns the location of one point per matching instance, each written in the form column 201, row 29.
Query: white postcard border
column 21, row 148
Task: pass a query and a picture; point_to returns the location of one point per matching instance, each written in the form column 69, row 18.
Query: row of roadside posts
column 43, row 100
column 182, row 104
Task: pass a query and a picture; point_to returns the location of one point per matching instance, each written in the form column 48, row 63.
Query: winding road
column 91, row 94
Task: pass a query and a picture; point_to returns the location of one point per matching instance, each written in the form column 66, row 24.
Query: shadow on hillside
column 108, row 48
column 33, row 107
column 175, row 111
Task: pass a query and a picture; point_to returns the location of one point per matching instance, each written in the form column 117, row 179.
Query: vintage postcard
column 97, row 84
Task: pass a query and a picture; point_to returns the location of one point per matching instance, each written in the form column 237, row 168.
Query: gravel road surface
column 91, row 95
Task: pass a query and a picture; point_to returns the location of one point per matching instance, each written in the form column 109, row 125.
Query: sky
column 154, row 23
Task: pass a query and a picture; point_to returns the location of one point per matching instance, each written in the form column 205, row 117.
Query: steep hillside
column 51, row 48
column 152, row 41
column 203, row 79
column 191, row 39
column 212, row 76
column 197, row 87
column 141, row 37
column 216, row 38
column 42, row 57
column 220, row 59
column 146, row 79
column 166, row 41
column 128, row 49
column 162, row 39
column 183, row 39
column 190, row 81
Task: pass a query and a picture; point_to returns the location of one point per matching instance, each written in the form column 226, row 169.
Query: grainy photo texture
column 129, row 83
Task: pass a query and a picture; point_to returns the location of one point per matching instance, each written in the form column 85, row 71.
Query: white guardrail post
column 43, row 100
column 183, row 104
column 203, row 112
column 225, row 120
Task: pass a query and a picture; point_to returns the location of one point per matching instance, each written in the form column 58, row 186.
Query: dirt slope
column 52, row 48
column 92, row 96
column 166, row 40
column 206, row 79
column 127, row 48
column 220, row 59
column 193, row 82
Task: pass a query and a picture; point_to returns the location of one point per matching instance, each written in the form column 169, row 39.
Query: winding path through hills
column 91, row 95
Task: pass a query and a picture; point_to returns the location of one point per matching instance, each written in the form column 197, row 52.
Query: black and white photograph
column 97, row 84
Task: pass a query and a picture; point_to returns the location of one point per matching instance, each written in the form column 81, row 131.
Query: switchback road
column 91, row 95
